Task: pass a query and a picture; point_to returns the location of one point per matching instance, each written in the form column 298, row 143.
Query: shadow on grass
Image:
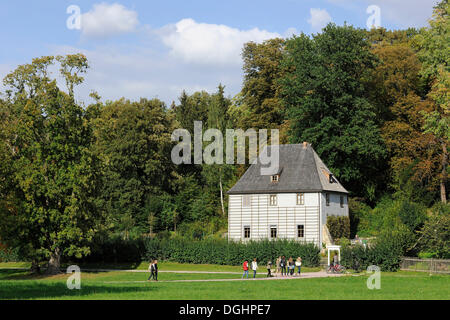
column 56, row 290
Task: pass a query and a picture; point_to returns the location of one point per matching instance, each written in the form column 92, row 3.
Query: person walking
column 245, row 267
column 269, row 266
column 254, row 267
column 283, row 266
column 153, row 270
column 277, row 264
column 150, row 268
column 298, row 264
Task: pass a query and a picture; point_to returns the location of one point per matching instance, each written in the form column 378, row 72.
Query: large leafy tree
column 132, row 139
column 259, row 99
column 53, row 179
column 397, row 92
column 324, row 92
column 434, row 53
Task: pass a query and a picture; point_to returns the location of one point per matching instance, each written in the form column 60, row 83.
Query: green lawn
column 18, row 284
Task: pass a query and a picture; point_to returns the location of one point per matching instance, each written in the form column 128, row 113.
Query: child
column 269, row 265
column 245, row 267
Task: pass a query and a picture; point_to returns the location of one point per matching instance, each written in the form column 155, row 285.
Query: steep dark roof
column 301, row 171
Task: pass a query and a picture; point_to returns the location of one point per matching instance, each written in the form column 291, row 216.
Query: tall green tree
column 54, row 177
column 434, row 52
column 325, row 95
column 260, row 104
column 133, row 141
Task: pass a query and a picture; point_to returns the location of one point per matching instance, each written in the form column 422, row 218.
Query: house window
column 300, row 231
column 275, row 178
column 246, row 201
column 342, row 201
column 273, row 232
column 247, row 232
column 300, row 199
column 273, row 200
column 327, row 199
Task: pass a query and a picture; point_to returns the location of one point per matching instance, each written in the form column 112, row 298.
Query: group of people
column 283, row 265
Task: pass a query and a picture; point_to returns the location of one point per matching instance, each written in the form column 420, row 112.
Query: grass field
column 19, row 284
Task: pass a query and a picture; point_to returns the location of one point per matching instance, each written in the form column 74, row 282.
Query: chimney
column 305, row 145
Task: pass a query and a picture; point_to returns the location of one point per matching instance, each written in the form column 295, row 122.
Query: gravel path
column 306, row 275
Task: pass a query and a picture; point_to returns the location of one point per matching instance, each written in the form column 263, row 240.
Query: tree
column 133, row 141
column 260, row 91
column 54, row 175
column 434, row 53
column 325, row 97
column 397, row 92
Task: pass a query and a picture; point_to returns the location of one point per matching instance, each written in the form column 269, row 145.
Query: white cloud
column 143, row 72
column 204, row 43
column 106, row 20
column 319, row 18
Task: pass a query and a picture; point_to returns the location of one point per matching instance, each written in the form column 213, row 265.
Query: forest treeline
column 374, row 105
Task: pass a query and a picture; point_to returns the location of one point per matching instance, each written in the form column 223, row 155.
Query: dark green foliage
column 10, row 254
column 388, row 214
column 223, row 252
column 325, row 95
column 339, row 226
column 115, row 250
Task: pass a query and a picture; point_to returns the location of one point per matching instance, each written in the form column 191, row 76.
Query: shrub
column 339, row 226
column 9, row 254
column 385, row 253
column 223, row 252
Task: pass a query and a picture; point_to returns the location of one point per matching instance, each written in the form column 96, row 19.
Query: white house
column 293, row 203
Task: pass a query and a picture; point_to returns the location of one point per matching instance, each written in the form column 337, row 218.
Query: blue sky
column 158, row 48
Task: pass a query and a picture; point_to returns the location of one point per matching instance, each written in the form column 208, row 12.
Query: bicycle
column 336, row 269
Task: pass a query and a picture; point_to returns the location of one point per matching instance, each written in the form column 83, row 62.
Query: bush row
column 115, row 250
column 222, row 252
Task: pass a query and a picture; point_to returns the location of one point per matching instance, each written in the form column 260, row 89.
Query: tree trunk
column 221, row 192
column 35, row 268
column 444, row 173
column 55, row 262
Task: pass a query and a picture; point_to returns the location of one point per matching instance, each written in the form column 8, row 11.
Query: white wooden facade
column 293, row 202
column 290, row 219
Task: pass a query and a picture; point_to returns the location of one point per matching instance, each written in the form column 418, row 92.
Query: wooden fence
column 426, row 265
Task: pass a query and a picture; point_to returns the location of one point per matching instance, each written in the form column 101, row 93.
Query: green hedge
column 222, row 252
column 339, row 226
column 115, row 250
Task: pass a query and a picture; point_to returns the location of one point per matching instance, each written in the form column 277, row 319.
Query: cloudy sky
column 158, row 48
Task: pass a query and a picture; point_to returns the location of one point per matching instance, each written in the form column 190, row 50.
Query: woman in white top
column 298, row 264
column 254, row 267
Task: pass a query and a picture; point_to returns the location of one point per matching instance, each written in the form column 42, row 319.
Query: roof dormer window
column 275, row 178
